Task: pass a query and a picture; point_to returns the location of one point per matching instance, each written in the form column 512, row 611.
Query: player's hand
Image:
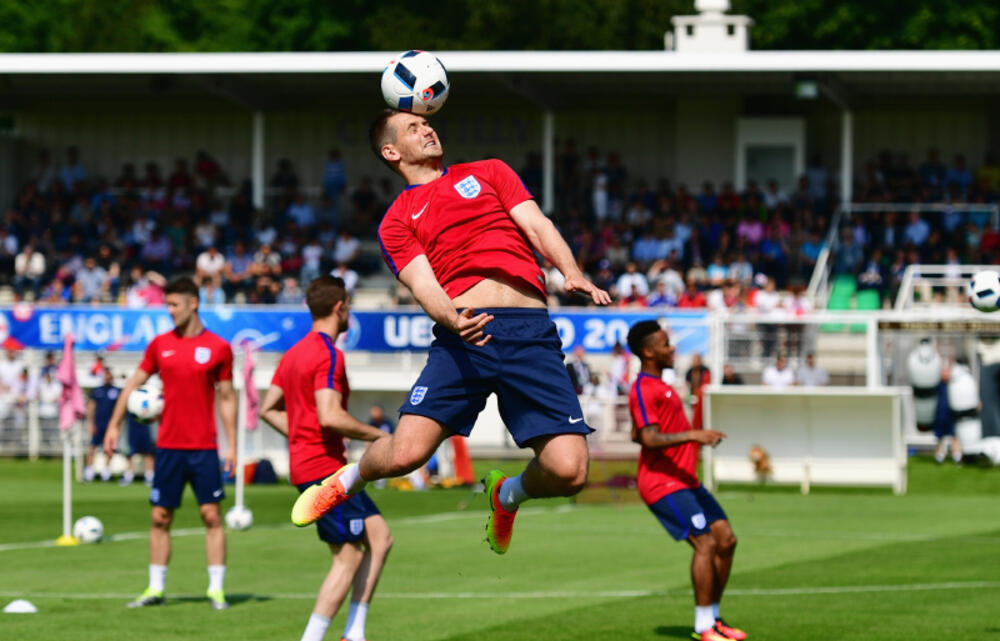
column 470, row 328
column 709, row 437
column 111, row 440
column 230, row 460
column 580, row 285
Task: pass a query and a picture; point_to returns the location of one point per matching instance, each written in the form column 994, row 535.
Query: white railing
column 924, row 278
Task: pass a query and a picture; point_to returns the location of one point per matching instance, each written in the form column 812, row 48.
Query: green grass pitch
column 838, row 564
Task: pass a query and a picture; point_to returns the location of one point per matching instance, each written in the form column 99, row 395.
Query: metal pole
column 67, row 537
column 257, row 160
column 241, row 433
column 548, row 162
column 846, row 155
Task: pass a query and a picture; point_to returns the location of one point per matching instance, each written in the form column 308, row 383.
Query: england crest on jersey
column 418, row 394
column 468, row 187
column 202, row 355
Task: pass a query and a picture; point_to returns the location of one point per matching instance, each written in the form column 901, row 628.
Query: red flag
column 249, row 389
column 71, row 403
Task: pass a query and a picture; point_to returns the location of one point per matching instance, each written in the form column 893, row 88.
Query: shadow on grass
column 673, row 631
column 235, row 600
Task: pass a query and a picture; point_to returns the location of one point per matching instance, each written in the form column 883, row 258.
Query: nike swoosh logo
column 419, row 213
column 168, row 352
column 574, row 421
column 217, row 493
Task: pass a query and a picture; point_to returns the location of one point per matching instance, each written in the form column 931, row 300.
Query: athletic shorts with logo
column 522, row 364
column 687, row 513
column 346, row 522
column 177, row 468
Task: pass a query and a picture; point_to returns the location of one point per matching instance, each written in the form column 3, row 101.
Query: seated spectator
column 347, row 248
column 58, row 292
column 236, row 275
column 348, row 275
column 265, row 291
column 29, row 269
column 773, row 196
column 91, row 283
column 661, row 297
column 698, row 273
column 958, row 180
column 181, row 178
column 73, row 172
column 210, row 292
column 875, row 274
column 778, row 374
column 917, row 230
column 210, row 175
column 750, row 230
column 717, row 271
column 266, row 262
column 301, row 211
column 810, row 374
column 107, row 261
column 632, row 299
column 730, row 377
column 632, row 282
column 741, row 270
column 210, row 263
column 205, row 233
column 848, row 256
column 156, row 253
column 692, row 297
column 668, row 272
column 312, row 260
column 145, row 289
column 285, row 180
column 291, row 293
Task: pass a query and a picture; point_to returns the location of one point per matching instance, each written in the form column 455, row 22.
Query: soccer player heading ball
column 668, row 478
column 461, row 238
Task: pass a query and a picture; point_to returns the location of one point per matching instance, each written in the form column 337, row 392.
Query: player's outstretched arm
column 333, row 416
column 227, row 411
column 544, row 236
column 419, row 277
column 650, row 436
column 115, row 423
column 272, row 409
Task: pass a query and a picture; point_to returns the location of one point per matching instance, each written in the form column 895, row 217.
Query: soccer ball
column 415, row 81
column 146, row 404
column 984, row 290
column 239, row 518
column 88, row 529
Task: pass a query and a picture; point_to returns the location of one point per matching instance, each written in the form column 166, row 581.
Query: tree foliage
column 388, row 25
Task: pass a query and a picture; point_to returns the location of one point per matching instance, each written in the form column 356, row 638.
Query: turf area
column 838, row 564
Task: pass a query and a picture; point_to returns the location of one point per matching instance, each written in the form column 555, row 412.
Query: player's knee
column 406, row 457
column 211, row 516
column 726, row 546
column 161, row 519
column 705, row 544
column 570, row 474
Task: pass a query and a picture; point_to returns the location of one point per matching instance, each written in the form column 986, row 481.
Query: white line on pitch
column 558, row 594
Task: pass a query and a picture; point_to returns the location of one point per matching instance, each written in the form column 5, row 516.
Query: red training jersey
column 666, row 469
column 189, row 369
column 461, row 222
column 312, row 364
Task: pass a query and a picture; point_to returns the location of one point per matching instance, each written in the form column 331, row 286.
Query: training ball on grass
column 145, row 403
column 415, row 81
column 984, row 290
column 239, row 518
column 88, row 529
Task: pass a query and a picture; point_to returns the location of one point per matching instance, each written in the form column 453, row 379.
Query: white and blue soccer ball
column 415, row 81
column 88, row 529
column 984, row 290
column 145, row 403
column 239, row 517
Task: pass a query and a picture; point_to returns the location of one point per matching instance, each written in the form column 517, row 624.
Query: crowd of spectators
column 74, row 237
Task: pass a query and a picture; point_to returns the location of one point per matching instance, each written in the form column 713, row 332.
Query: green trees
column 360, row 25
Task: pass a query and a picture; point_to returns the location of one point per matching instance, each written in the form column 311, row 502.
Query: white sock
column 715, row 611
column 316, row 627
column 157, row 577
column 148, row 475
column 512, row 493
column 352, row 481
column 106, row 474
column 216, row 576
column 354, row 630
column 128, row 476
column 88, row 473
column 703, row 618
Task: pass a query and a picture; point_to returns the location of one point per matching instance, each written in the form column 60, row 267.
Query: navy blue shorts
column 522, row 364
column 687, row 513
column 139, row 441
column 346, row 522
column 177, row 468
column 97, row 440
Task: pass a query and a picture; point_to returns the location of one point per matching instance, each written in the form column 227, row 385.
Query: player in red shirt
column 191, row 362
column 462, row 239
column 668, row 478
column 311, row 384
